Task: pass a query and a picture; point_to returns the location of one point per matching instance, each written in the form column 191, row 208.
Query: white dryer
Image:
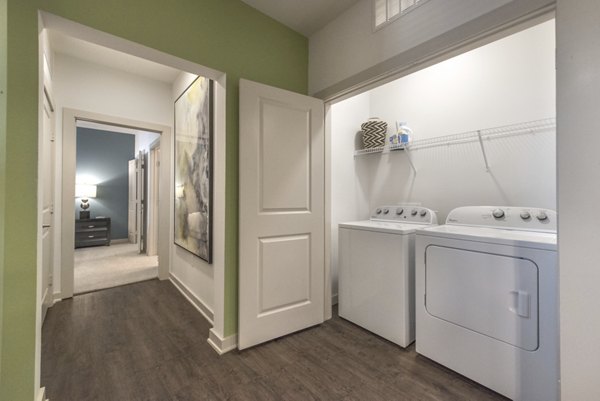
column 487, row 298
column 376, row 271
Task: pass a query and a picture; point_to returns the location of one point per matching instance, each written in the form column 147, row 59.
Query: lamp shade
column 85, row 191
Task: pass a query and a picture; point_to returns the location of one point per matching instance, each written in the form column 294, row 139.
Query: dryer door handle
column 521, row 303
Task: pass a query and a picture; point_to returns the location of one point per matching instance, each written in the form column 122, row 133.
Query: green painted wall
column 226, row 35
column 2, row 150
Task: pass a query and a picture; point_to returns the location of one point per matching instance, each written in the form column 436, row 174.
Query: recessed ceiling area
column 304, row 16
column 101, row 55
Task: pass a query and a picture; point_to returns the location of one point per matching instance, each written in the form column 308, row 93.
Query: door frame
column 397, row 70
column 70, row 118
column 47, row 297
column 153, row 181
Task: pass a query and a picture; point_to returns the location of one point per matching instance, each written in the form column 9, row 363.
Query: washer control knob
column 525, row 215
column 378, row 211
column 399, row 211
column 498, row 213
column 541, row 216
column 386, row 211
column 414, row 212
column 423, row 213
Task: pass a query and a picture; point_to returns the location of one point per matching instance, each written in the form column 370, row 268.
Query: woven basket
column 373, row 133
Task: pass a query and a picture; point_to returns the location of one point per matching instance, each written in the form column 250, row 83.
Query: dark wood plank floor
column 146, row 342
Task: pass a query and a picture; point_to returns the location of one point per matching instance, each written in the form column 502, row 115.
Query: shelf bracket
column 485, row 160
column 407, row 150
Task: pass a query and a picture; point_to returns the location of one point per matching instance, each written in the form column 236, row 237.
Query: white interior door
column 132, row 203
column 139, row 201
column 47, row 176
column 282, row 213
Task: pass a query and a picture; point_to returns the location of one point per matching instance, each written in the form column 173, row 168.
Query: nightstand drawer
column 90, row 224
column 99, row 234
column 92, row 232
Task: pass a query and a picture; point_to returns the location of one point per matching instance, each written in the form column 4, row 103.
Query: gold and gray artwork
column 193, row 164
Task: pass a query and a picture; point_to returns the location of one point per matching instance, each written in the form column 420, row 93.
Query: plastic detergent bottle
column 404, row 132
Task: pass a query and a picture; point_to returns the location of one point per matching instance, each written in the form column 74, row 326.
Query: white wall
column 143, row 140
column 578, row 85
column 84, row 86
column 194, row 273
column 347, row 46
column 350, row 184
column 505, row 82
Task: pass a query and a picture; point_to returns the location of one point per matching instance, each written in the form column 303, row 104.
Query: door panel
column 284, row 275
column 282, row 261
column 284, row 159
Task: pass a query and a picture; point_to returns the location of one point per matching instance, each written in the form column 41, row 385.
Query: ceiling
column 101, row 55
column 304, row 16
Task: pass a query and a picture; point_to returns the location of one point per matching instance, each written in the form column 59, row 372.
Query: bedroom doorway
column 113, row 211
column 104, row 254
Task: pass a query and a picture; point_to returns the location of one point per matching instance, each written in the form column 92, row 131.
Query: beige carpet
column 110, row 266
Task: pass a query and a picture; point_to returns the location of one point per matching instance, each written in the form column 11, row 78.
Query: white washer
column 376, row 271
column 487, row 298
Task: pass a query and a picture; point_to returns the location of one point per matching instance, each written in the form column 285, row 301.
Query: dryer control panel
column 405, row 214
column 507, row 217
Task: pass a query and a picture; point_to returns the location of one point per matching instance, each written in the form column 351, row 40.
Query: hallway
column 145, row 341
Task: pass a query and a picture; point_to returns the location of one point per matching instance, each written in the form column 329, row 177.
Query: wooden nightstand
column 92, row 232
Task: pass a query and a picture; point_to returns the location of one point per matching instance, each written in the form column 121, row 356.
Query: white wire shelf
column 380, row 149
column 531, row 127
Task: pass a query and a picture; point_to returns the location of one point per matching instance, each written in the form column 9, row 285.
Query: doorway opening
column 483, row 132
column 96, row 152
column 114, row 209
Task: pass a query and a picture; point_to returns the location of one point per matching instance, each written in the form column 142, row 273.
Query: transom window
column 386, row 11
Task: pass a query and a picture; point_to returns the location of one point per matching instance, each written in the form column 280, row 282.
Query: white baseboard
column 334, row 299
column 222, row 345
column 194, row 300
column 41, row 394
column 56, row 297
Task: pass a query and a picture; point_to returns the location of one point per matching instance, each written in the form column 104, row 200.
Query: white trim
column 45, row 305
column 328, row 313
column 220, row 344
column 41, row 394
column 56, row 297
column 194, row 300
column 154, row 184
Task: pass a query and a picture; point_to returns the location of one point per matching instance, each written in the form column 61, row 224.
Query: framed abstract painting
column 194, row 168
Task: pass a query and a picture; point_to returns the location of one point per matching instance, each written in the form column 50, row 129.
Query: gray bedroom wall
column 102, row 159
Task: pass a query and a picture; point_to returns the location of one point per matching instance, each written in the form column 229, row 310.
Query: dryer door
column 494, row 295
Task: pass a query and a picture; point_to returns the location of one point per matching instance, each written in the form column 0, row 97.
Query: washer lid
column 528, row 239
column 383, row 226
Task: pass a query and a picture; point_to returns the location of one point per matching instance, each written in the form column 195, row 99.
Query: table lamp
column 85, row 191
